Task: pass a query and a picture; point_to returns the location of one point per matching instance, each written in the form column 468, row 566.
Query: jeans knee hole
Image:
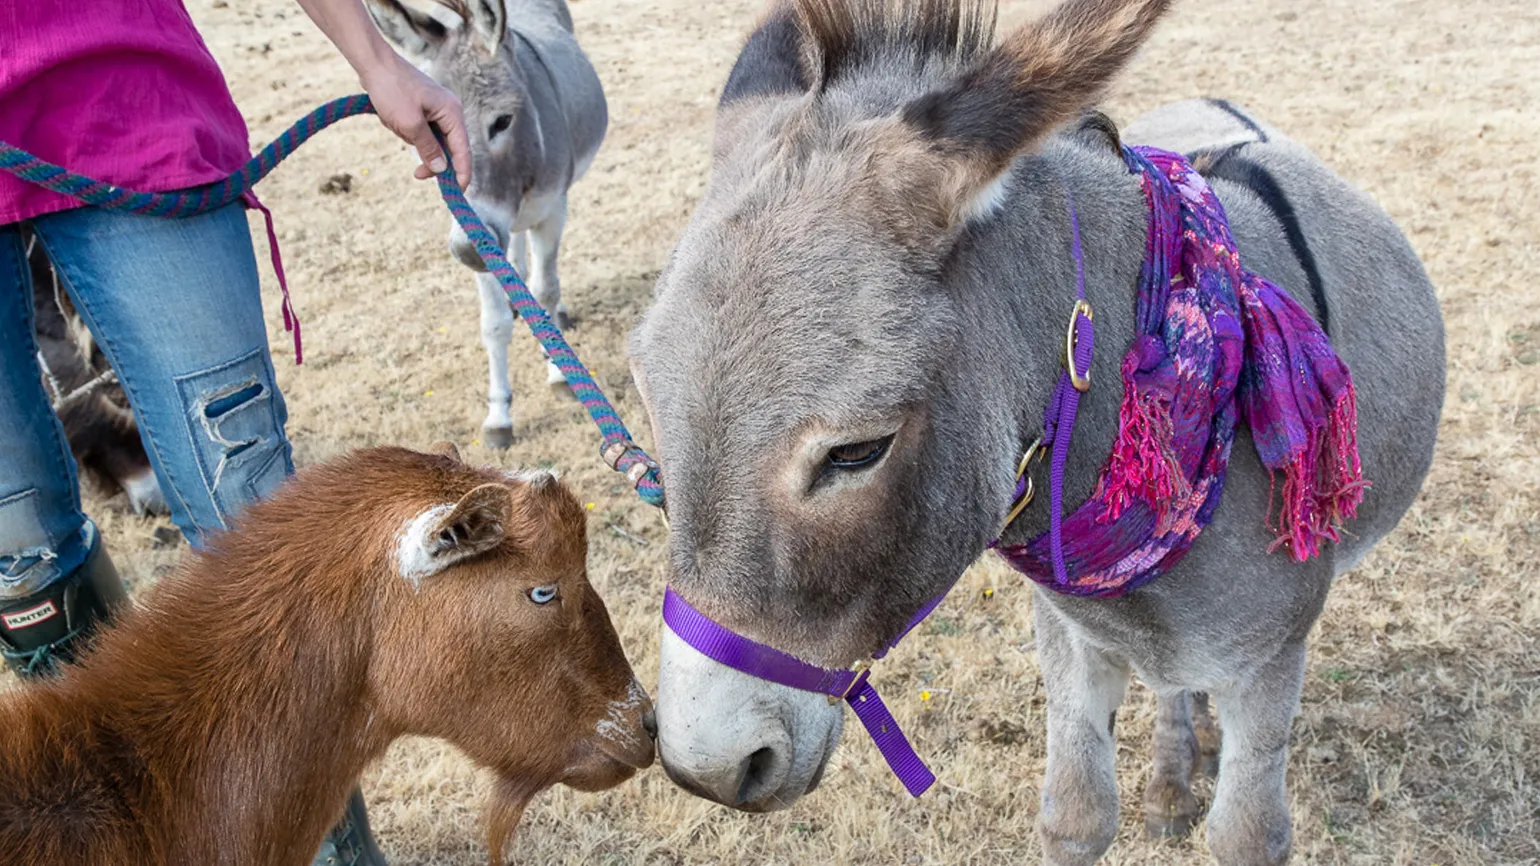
column 226, row 401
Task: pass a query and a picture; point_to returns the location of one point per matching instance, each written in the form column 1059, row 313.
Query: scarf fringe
column 1143, row 465
column 1323, row 485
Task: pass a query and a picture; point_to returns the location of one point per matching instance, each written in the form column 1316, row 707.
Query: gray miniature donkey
column 536, row 116
column 852, row 347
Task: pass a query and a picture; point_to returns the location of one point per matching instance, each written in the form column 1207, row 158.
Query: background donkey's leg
column 1079, row 815
column 1208, row 735
column 496, row 332
column 1170, row 809
column 1248, row 823
column 544, row 245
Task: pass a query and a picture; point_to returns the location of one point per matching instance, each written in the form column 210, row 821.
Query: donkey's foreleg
column 544, row 246
column 1079, row 815
column 1170, row 809
column 1248, row 823
column 496, row 333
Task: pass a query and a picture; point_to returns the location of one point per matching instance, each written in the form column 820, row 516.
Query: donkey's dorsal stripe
column 1231, row 165
column 1228, row 108
column 769, row 62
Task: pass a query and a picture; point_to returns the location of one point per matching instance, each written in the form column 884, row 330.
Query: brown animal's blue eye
column 542, row 594
column 858, row 454
column 499, row 125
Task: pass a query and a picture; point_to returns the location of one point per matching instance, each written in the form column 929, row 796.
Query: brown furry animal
column 385, row 594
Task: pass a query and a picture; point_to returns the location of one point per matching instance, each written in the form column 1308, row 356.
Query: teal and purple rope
column 618, row 449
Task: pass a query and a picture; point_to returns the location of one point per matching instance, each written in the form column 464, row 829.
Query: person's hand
column 407, row 101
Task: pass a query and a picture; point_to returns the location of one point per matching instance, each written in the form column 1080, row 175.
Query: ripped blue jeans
column 175, row 306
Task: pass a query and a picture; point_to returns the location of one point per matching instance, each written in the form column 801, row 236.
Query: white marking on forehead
column 413, row 558
column 533, row 476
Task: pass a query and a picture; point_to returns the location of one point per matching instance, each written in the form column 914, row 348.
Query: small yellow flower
column 443, row 330
column 989, row 592
column 475, row 441
column 364, row 172
column 589, row 506
column 925, row 695
column 427, row 393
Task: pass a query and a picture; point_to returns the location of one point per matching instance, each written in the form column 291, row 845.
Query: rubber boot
column 350, row 843
column 50, row 627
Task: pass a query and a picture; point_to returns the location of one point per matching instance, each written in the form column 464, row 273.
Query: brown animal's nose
column 650, row 722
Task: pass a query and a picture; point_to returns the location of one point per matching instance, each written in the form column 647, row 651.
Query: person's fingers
column 421, row 172
column 450, row 119
column 432, row 156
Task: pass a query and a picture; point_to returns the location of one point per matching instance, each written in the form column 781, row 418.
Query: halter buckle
column 1081, row 381
column 1020, row 505
column 860, row 670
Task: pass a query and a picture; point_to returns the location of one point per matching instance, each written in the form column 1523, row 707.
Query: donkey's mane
column 841, row 37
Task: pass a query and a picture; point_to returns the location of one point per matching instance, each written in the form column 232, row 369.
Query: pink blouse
column 123, row 91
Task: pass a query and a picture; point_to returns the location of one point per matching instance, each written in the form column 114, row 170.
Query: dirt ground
column 1419, row 737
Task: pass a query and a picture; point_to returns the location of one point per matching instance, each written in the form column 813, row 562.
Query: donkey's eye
column 858, row 454
column 542, row 594
column 499, row 125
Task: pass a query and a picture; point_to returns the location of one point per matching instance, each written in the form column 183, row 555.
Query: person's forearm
column 347, row 24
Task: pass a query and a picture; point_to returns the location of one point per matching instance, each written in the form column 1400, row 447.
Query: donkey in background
column 536, row 116
column 98, row 422
column 424, row 596
column 852, row 348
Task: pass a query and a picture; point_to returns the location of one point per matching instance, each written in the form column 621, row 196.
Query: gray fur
column 536, row 115
column 805, row 307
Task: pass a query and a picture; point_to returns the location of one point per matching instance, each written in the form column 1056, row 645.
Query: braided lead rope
column 617, row 449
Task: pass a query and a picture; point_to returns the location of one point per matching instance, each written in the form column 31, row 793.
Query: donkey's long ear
column 1039, row 77
column 416, row 33
column 490, row 18
column 446, row 534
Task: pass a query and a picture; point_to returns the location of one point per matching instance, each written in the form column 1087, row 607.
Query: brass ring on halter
column 1082, row 382
column 1033, row 450
column 857, row 668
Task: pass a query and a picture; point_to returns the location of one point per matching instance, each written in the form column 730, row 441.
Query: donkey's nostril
column 650, row 722
column 760, row 777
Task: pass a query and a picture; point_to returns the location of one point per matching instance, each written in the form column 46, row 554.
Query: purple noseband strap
column 717, row 642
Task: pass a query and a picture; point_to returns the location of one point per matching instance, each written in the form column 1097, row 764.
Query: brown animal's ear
column 446, row 449
column 490, row 18
column 415, row 33
column 447, row 534
column 1039, row 77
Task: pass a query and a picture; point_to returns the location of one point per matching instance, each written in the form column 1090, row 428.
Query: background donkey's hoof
column 557, row 382
column 562, row 318
column 500, row 438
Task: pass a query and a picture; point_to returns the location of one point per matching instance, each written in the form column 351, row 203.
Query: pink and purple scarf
column 1216, row 344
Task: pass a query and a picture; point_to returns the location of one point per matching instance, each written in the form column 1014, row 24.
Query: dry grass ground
column 1419, row 737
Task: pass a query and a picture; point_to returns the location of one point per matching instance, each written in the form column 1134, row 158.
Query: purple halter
column 722, row 644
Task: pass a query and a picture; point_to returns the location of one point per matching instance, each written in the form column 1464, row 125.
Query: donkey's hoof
column 1172, row 826
column 144, row 494
column 500, row 438
column 557, row 382
column 562, row 318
